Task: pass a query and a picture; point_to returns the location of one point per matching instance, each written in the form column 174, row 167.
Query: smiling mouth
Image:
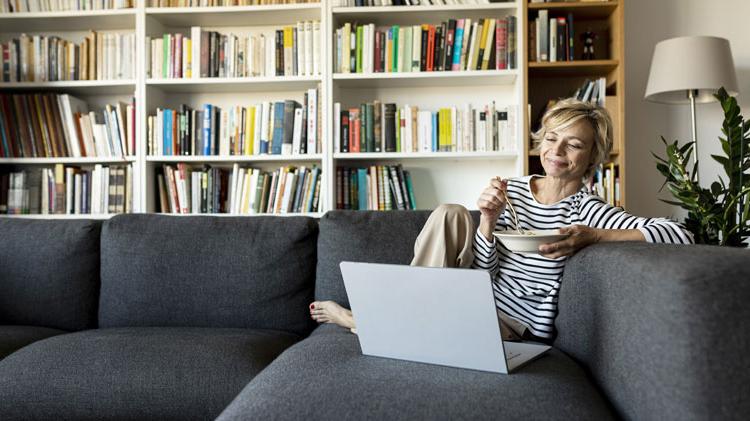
column 558, row 163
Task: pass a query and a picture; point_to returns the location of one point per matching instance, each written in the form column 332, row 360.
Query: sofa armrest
column 664, row 330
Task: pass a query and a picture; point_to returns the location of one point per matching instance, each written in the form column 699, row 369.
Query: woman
column 574, row 139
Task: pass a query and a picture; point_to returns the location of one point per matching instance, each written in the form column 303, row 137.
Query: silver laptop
column 431, row 315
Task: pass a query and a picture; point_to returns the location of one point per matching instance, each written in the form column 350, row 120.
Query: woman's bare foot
column 331, row 312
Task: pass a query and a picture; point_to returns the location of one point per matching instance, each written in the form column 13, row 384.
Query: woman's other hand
column 491, row 204
column 580, row 237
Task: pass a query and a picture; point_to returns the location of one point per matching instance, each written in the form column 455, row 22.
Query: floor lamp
column 690, row 70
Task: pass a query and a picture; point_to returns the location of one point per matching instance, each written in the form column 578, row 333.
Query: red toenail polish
column 312, row 306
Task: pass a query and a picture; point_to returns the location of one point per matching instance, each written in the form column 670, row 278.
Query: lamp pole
column 691, row 95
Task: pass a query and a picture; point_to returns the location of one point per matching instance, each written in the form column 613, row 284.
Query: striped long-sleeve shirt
column 526, row 285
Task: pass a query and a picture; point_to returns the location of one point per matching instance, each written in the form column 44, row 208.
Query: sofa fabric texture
column 135, row 373
column 49, row 273
column 327, row 377
column 663, row 329
column 198, row 271
column 17, row 337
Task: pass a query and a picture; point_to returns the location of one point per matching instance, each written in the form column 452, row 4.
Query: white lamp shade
column 699, row 63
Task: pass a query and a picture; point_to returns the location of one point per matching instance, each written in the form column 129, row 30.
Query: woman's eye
column 574, row 146
column 549, row 139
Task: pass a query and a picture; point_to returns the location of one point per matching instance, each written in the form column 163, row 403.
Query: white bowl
column 530, row 241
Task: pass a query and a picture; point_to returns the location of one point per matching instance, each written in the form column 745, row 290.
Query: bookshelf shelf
column 235, row 15
column 77, row 87
column 425, row 79
column 424, row 155
column 61, row 216
column 583, row 10
column 68, row 21
column 67, row 160
column 244, row 215
column 578, row 67
column 235, row 158
column 397, row 15
column 240, row 84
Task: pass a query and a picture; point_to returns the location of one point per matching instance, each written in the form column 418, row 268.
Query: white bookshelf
column 68, row 21
column 440, row 177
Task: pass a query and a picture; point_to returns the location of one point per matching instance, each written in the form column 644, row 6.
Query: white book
column 424, row 123
column 96, row 189
column 346, row 36
column 195, row 39
column 416, row 48
column 291, row 178
column 553, row 40
column 270, row 57
column 45, row 191
column 252, row 188
column 512, row 129
column 470, row 64
column 77, row 194
column 400, row 53
column 316, row 48
column 244, row 191
column 537, row 28
column 337, row 127
column 105, row 190
column 297, row 132
column 312, row 120
column 301, row 45
column 234, row 187
column 544, row 30
column 264, row 135
column 405, row 64
column 407, row 130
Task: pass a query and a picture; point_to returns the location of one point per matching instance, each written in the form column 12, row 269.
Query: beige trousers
column 446, row 241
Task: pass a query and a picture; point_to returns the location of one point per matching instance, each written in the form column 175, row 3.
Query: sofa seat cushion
column 135, row 373
column 17, row 337
column 326, row 377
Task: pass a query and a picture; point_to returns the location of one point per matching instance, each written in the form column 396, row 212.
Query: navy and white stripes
column 526, row 285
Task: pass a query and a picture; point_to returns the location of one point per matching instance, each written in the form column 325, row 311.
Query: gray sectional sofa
column 161, row 317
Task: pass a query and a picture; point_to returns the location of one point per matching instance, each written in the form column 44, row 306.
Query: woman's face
column 567, row 153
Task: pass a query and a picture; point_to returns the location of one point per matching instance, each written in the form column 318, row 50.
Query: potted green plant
column 719, row 214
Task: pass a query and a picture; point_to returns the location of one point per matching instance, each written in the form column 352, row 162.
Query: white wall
column 646, row 23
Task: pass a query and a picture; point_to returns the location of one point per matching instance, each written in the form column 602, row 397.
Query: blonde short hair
column 568, row 111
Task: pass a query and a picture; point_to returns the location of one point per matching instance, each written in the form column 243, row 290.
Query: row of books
column 238, row 191
column 276, row 128
column 378, row 187
column 366, row 3
column 551, row 39
column 457, row 44
column 593, row 90
column 386, row 127
column 20, row 6
column 286, row 190
column 606, row 183
column 210, row 3
column 51, row 125
column 67, row 190
column 289, row 51
column 39, row 58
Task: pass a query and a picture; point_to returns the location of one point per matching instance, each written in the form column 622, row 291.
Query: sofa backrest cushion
column 49, row 273
column 362, row 236
column 204, row 271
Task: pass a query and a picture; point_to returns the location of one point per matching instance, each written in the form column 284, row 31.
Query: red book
column 430, row 48
column 378, row 46
column 501, row 44
column 355, row 125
